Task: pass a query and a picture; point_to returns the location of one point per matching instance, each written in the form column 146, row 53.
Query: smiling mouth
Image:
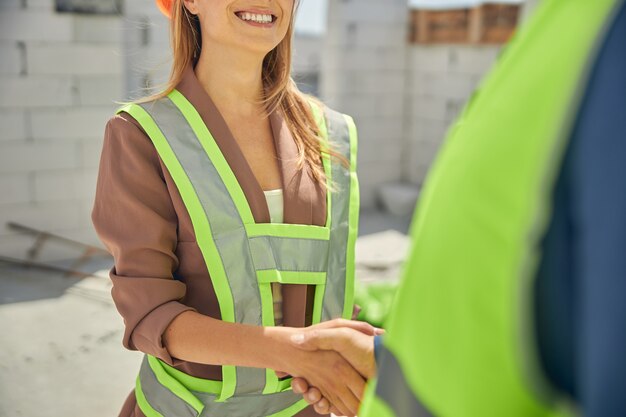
column 265, row 19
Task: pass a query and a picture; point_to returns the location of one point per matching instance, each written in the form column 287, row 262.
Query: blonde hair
column 281, row 92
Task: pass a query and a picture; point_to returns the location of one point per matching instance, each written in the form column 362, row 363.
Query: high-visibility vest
column 460, row 338
column 244, row 258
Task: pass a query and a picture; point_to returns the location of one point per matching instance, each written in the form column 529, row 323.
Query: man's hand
column 355, row 346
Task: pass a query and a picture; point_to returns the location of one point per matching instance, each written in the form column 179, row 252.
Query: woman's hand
column 333, row 376
column 354, row 346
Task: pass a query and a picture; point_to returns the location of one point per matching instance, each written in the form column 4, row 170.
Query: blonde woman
column 230, row 204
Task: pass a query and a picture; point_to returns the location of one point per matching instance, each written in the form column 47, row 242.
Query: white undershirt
column 274, row 200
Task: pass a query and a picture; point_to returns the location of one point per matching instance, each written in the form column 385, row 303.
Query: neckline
column 298, row 208
column 275, row 191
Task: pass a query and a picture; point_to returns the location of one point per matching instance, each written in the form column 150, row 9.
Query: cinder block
column 56, row 185
column 429, row 58
column 142, row 8
column 35, row 91
column 90, row 151
column 390, row 105
column 10, row 6
column 82, row 59
column 86, row 186
column 99, row 90
column 98, row 29
column 378, row 128
column 35, row 25
column 375, row 173
column 372, row 176
column 433, row 108
column 472, row 59
column 398, row 198
column 445, row 85
column 70, row 123
column 13, row 124
column 62, row 185
column 354, row 34
column 307, row 53
column 421, row 129
column 25, row 157
column 363, row 58
column 368, row 11
column 417, row 172
column 365, row 82
column 359, row 104
column 453, row 109
column 10, row 58
column 15, row 188
column 86, row 235
column 49, row 215
column 44, row 5
column 379, row 149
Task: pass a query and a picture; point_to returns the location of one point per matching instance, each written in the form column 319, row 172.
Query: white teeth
column 259, row 18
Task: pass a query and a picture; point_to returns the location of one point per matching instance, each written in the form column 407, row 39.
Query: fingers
column 324, row 339
column 360, row 326
column 312, row 396
column 323, row 407
column 299, row 385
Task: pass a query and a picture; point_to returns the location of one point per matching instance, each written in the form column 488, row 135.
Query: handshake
column 330, row 364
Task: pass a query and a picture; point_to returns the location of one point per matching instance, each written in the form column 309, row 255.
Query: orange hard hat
column 165, row 6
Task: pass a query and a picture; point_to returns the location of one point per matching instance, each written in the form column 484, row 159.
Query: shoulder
column 124, row 138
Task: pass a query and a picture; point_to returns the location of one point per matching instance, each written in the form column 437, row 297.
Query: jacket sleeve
column 134, row 218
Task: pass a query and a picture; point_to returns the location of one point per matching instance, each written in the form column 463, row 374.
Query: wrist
column 283, row 356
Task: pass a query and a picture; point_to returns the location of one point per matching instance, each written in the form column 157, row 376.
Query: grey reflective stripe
column 394, row 390
column 168, row 404
column 161, row 398
column 226, row 224
column 247, row 406
column 285, row 254
column 334, row 294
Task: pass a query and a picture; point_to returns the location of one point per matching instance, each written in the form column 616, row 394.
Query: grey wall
column 58, row 76
column 364, row 75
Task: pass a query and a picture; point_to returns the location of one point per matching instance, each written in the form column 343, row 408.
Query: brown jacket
column 140, row 217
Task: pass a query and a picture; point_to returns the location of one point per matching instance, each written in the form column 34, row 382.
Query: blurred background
column 403, row 70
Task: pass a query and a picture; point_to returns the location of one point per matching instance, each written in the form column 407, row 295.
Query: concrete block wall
column 59, row 77
column 147, row 58
column 441, row 78
column 364, row 75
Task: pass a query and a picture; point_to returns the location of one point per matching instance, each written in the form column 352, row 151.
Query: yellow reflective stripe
column 200, row 222
column 143, row 404
column 214, row 153
column 193, row 383
column 291, row 410
column 271, row 382
column 318, row 115
column 318, row 303
column 353, row 221
column 174, row 385
column 284, row 385
column 291, row 277
column 267, row 304
column 297, row 231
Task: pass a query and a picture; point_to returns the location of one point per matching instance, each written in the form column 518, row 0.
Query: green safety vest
column 244, row 257
column 460, row 337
